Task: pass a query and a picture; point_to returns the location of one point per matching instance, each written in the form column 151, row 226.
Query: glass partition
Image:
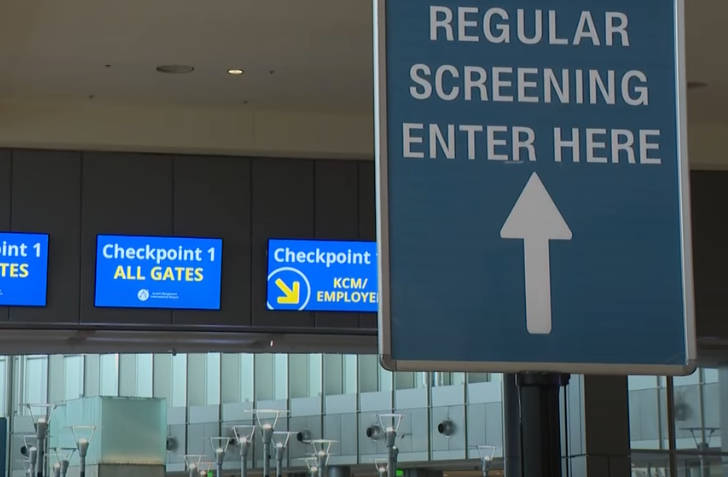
column 109, row 375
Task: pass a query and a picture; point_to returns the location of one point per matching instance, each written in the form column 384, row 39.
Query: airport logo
column 143, row 294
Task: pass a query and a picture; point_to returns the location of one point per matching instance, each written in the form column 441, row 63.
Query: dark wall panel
column 6, row 188
column 74, row 196
column 710, row 252
column 337, row 218
column 212, row 199
column 367, row 222
column 122, row 194
column 283, row 192
column 47, row 199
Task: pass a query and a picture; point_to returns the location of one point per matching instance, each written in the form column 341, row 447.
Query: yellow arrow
column 290, row 297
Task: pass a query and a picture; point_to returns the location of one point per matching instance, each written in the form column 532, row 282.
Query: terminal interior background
column 338, row 396
column 81, row 76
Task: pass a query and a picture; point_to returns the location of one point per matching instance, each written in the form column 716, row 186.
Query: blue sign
column 317, row 275
column 23, row 269
column 533, row 186
column 158, row 272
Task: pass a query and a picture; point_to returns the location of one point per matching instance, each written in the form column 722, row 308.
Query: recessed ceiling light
column 236, row 71
column 175, row 69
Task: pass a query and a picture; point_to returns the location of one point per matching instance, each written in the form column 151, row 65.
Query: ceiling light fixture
column 236, row 71
column 175, row 69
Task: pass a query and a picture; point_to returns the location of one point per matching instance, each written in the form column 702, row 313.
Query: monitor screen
column 321, row 275
column 158, row 272
column 23, row 269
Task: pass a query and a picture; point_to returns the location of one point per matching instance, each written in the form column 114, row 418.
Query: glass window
column 271, row 377
column 35, row 377
column 386, row 381
column 304, row 375
column 699, row 402
column 349, row 369
column 372, row 377
column 246, row 377
column 368, row 373
column 495, row 377
column 648, row 412
column 711, row 375
column 212, row 379
column 340, row 374
column 447, row 379
column 281, row 376
column 144, row 375
column 237, row 377
column 73, row 374
column 197, row 379
column 179, row 380
column 109, row 375
column 410, row 380
column 4, row 385
column 478, row 377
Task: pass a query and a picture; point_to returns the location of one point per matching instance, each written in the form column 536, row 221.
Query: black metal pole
column 540, row 423
column 511, row 427
column 266, row 458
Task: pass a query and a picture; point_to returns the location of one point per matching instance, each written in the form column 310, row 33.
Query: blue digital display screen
column 23, row 269
column 318, row 275
column 158, row 272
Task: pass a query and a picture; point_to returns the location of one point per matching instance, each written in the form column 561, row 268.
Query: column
column 602, row 426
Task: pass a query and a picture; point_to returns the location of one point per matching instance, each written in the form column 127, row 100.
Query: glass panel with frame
column 648, row 412
column 304, row 375
column 340, row 374
column 109, row 375
column 73, row 376
column 35, row 382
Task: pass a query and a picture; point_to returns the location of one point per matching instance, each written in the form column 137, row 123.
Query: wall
column 74, row 196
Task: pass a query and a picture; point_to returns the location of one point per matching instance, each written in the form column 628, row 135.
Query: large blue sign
column 158, row 272
column 317, row 275
column 23, row 269
column 533, row 193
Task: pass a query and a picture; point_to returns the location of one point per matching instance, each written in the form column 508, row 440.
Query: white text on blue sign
column 556, row 86
column 322, row 275
column 158, row 272
column 23, row 269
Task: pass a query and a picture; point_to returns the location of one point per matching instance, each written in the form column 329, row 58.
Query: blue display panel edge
column 322, row 275
column 23, row 269
column 519, row 229
column 158, row 272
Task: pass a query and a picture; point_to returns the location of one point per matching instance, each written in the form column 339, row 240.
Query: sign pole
column 540, row 424
column 511, row 427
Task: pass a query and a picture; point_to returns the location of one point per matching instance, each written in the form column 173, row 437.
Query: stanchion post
column 244, row 437
column 390, row 425
column 192, row 464
column 267, row 420
column 219, row 448
column 83, row 436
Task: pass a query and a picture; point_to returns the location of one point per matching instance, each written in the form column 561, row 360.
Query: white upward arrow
column 536, row 220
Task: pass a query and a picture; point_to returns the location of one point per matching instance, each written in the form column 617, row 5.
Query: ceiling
column 707, row 60
column 90, row 59
column 298, row 55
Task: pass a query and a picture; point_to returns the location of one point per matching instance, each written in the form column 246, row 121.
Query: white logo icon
column 143, row 294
